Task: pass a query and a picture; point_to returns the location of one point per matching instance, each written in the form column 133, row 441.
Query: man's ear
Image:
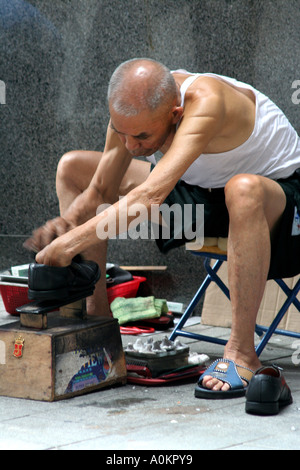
column 177, row 113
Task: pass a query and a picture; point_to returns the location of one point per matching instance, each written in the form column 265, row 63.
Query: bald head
column 141, row 84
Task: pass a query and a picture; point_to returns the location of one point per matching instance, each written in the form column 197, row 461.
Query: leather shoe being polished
column 267, row 392
column 53, row 282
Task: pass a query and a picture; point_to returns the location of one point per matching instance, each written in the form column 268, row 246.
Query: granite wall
column 56, row 58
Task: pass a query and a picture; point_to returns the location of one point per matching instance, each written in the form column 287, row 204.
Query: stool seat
column 216, row 249
column 210, row 245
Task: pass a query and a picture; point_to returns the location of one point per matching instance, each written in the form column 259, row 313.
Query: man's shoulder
column 206, row 86
column 205, row 92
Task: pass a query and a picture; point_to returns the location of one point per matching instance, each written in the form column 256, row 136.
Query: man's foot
column 226, row 378
column 247, row 360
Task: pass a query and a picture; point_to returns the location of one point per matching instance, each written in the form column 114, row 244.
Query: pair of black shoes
column 60, row 283
column 267, row 392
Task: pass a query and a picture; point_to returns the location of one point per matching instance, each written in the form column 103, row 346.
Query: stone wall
column 56, row 59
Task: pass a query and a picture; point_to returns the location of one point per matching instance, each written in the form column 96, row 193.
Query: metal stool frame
column 212, row 276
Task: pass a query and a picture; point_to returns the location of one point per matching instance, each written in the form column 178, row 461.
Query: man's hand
column 56, row 253
column 64, row 248
column 44, row 235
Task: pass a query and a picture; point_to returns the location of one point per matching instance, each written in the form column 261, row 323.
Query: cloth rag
column 137, row 308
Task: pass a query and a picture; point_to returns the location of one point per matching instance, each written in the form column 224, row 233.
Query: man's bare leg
column 74, row 173
column 255, row 205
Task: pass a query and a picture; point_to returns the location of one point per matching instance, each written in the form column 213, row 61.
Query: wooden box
column 71, row 357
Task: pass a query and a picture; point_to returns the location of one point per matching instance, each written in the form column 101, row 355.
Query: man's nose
column 131, row 143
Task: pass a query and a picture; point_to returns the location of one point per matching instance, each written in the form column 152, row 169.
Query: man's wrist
column 83, row 208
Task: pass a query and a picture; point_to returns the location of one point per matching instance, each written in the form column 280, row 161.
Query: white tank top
column 272, row 150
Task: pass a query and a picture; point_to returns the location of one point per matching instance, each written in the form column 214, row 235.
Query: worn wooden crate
column 71, row 357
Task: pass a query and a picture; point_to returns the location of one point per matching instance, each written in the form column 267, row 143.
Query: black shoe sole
column 58, row 294
column 63, row 292
column 265, row 409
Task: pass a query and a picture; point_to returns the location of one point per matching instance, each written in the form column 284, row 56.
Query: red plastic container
column 15, row 295
column 126, row 289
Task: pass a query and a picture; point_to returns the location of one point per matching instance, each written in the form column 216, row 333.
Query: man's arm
column 104, row 187
column 203, row 120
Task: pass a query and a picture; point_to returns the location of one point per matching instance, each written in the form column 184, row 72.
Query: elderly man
column 224, row 145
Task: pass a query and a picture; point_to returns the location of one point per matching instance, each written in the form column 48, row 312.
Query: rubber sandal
column 226, row 371
column 268, row 392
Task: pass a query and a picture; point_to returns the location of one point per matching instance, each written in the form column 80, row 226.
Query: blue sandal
column 228, row 372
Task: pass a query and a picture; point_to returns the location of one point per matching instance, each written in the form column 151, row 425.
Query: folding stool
column 218, row 252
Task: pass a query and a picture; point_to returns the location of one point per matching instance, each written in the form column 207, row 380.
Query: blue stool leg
column 260, row 330
column 212, row 271
column 200, row 292
column 291, row 293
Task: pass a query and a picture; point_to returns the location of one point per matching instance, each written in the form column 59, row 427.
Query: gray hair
column 151, row 92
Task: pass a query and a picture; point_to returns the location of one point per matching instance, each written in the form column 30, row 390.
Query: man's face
column 143, row 134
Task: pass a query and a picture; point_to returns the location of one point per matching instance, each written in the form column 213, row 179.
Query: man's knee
column 76, row 169
column 67, row 164
column 244, row 192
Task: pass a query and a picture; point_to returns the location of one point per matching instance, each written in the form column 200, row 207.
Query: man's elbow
column 102, row 194
column 150, row 196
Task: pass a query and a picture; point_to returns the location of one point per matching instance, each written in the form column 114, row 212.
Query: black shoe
column 267, row 392
column 52, row 282
column 116, row 275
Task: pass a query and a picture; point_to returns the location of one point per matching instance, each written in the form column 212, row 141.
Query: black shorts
column 285, row 245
